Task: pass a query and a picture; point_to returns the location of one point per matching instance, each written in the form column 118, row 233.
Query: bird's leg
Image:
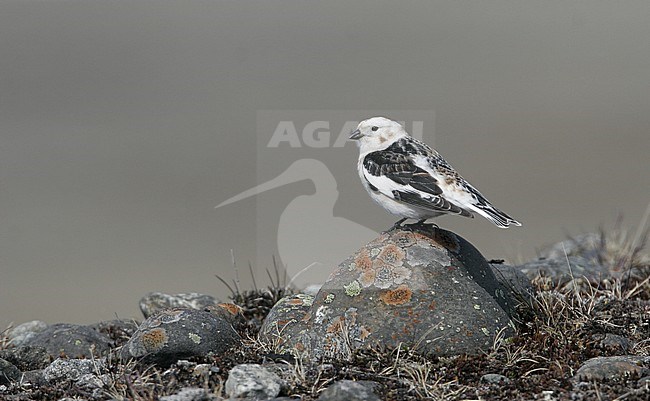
column 422, row 223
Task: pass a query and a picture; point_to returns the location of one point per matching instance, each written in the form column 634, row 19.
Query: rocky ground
column 581, row 332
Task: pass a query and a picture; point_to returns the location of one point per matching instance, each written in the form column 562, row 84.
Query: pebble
column 23, row 332
column 71, row 340
column 253, row 382
column 351, row 391
column 154, row 302
column 494, row 378
column 174, row 334
column 613, row 367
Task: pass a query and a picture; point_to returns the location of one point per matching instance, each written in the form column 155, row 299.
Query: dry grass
column 4, row 339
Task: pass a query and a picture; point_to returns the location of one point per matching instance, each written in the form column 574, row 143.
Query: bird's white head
column 377, row 133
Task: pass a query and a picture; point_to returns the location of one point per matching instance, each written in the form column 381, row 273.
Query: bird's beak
column 356, row 134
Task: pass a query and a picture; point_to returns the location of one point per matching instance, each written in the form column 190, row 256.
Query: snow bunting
column 411, row 180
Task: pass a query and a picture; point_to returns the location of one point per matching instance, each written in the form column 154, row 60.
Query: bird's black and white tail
column 496, row 216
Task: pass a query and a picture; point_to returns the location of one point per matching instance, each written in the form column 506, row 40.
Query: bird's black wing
column 400, row 169
column 410, row 183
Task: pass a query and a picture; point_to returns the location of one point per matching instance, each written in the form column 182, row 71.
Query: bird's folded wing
column 395, row 174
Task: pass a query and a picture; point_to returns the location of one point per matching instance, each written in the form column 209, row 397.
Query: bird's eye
column 375, row 128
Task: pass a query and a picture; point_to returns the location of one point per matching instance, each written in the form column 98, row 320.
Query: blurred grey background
column 122, row 125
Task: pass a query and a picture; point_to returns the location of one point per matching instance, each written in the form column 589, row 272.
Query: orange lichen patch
column 391, row 254
column 398, row 296
column 295, row 301
column 432, row 305
column 337, row 325
column 363, row 261
column 154, row 339
column 446, row 240
column 231, row 308
column 367, row 278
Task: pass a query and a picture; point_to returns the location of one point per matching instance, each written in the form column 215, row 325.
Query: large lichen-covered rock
column 420, row 287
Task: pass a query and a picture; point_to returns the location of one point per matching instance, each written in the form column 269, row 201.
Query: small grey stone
column 612, row 367
column 21, row 333
column 71, row 369
column 254, row 382
column 494, row 378
column 154, row 302
column 74, row 341
column 351, row 391
column 174, row 334
column 8, row 372
column 190, row 394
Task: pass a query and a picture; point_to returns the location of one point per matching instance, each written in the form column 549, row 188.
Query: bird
column 411, row 180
